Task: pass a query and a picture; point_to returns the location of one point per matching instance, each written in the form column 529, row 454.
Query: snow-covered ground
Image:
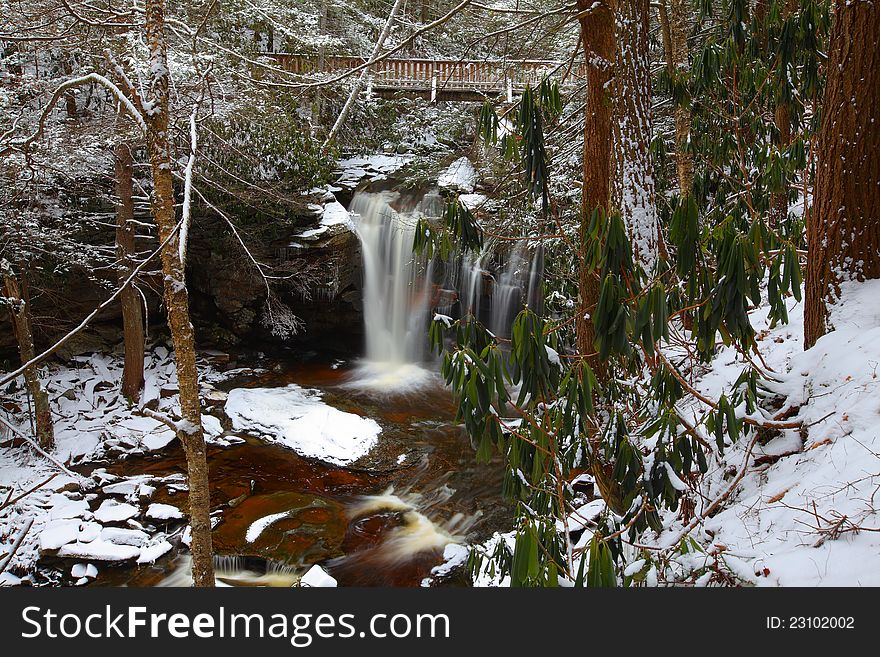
column 809, row 517
column 805, row 513
column 102, row 518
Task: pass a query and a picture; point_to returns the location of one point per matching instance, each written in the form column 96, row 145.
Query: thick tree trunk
column 20, row 312
column 597, row 30
column 674, row 23
column 843, row 226
column 633, row 182
column 132, row 310
column 177, row 300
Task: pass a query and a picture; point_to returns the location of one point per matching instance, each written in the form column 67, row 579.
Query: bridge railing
column 430, row 74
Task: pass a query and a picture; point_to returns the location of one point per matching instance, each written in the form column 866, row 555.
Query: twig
column 17, row 544
column 41, row 451
column 9, row 502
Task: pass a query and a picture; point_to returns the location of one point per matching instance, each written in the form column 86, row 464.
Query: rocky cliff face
column 317, row 270
column 314, row 259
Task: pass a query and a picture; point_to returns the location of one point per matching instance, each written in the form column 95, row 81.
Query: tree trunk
column 20, row 311
column 597, row 30
column 674, row 23
column 132, row 310
column 782, row 118
column 779, row 200
column 177, row 300
column 633, row 182
column 843, row 226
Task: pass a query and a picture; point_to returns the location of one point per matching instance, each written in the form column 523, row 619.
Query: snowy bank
column 800, row 515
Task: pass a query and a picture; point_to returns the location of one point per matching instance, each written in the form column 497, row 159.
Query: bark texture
column 176, row 298
column 843, row 226
column 678, row 60
column 633, row 182
column 597, row 30
column 132, row 309
column 20, row 312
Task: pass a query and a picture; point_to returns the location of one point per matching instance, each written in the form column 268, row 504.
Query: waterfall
column 518, row 285
column 397, row 290
column 400, row 293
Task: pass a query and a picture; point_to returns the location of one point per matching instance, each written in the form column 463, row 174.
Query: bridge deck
column 431, row 75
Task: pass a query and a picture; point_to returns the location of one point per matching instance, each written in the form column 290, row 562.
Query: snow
column 150, row 553
column 113, row 511
column 157, row 511
column 259, row 526
column 120, row 536
column 334, row 216
column 317, row 577
column 374, row 167
column 80, row 570
column 474, row 201
column 780, row 522
column 460, row 176
column 99, row 550
column 57, row 533
column 297, row 418
column 64, row 507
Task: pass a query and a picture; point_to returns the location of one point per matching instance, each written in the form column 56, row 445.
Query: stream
column 383, row 521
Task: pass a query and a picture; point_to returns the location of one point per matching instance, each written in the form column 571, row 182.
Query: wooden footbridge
column 437, row 79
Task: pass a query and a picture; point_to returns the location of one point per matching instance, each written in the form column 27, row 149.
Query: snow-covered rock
column 150, row 553
column 317, row 577
column 113, row 511
column 63, row 507
column 157, row 511
column 460, row 176
column 87, row 570
column 57, row 533
column 121, row 536
column 297, row 418
column 99, row 550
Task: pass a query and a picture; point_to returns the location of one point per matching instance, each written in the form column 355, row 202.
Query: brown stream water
column 381, row 522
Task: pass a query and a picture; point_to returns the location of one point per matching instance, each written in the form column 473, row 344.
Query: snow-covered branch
column 95, row 78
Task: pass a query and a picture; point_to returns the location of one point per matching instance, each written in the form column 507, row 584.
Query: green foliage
column 727, row 246
column 535, row 108
column 269, row 145
column 459, row 224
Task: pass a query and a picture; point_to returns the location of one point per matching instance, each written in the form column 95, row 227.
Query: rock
column 213, row 398
column 157, row 511
column 57, row 533
column 317, row 577
column 89, row 531
column 100, row 550
column 145, row 493
column 120, row 536
column 235, row 501
column 113, row 511
column 64, row 508
column 150, row 553
column 216, row 357
column 460, row 176
column 125, row 488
